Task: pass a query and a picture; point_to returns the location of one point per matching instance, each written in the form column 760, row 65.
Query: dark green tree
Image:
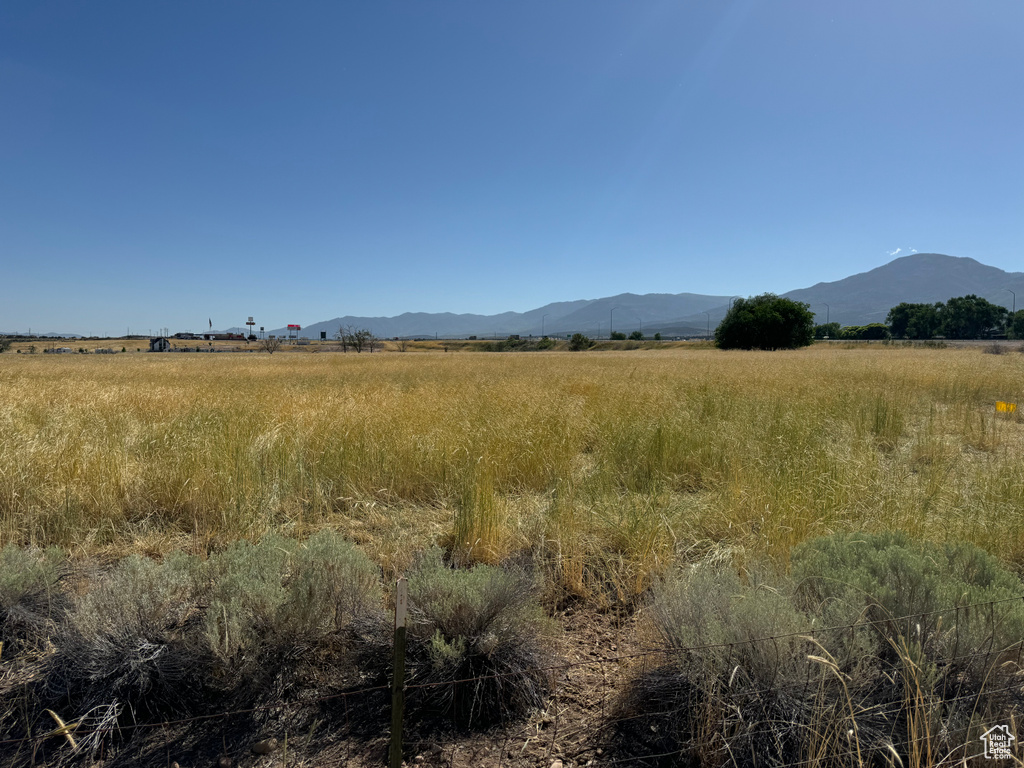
column 926, row 322
column 637, row 336
column 971, row 317
column 913, row 321
column 617, row 336
column 1015, row 325
column 766, row 322
column 873, row 331
column 579, row 342
column 826, row 331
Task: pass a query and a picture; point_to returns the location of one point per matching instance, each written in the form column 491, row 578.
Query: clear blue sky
column 166, row 163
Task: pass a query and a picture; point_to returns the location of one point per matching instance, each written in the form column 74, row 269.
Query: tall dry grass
column 608, row 465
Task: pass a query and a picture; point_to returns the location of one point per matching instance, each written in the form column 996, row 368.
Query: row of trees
column 962, row 317
column 356, row 339
column 770, row 322
column 634, row 336
column 869, row 332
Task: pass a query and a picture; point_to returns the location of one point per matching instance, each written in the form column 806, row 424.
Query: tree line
column 962, row 317
column 771, row 322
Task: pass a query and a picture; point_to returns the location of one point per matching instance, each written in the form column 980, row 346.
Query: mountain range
column 856, row 300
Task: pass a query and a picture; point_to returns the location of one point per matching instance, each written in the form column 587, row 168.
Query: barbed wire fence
column 589, row 721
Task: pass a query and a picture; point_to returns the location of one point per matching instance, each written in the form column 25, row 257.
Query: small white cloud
column 912, row 250
column 893, row 253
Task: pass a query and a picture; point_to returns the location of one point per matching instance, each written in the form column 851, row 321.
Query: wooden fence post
column 398, row 679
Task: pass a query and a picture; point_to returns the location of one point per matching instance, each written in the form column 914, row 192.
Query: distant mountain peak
column 867, row 297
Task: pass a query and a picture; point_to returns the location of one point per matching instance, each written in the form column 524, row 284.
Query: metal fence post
column 398, row 679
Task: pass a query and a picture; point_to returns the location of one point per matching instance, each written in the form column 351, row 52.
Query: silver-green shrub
column 482, row 625
column 874, row 646
column 132, row 641
column 31, row 598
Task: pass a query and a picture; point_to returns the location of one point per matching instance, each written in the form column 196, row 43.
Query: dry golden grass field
column 605, row 466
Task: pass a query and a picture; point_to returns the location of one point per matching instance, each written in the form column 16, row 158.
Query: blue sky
column 166, row 163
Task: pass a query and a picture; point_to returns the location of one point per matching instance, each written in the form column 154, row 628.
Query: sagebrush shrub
column 875, row 643
column 710, row 616
column 953, row 599
column 246, row 592
column 717, row 676
column 184, row 635
column 31, row 600
column 331, row 584
column 280, row 591
column 484, row 623
column 281, row 613
column 132, row 643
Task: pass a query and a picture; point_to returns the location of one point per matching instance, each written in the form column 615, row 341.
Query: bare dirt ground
column 600, row 651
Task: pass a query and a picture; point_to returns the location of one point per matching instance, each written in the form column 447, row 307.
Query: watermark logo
column 997, row 742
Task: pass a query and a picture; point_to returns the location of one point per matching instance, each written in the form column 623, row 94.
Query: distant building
column 159, row 345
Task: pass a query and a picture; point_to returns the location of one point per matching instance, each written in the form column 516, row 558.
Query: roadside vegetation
column 143, row 641
column 606, row 467
column 183, row 535
column 868, row 649
column 883, row 651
